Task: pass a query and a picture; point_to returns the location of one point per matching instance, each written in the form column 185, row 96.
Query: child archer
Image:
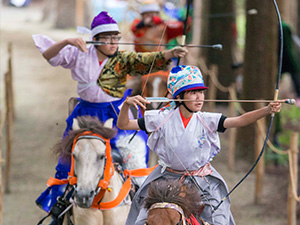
column 101, row 75
column 186, row 140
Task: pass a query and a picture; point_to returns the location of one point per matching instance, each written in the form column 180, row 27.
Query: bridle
column 167, row 205
column 108, row 169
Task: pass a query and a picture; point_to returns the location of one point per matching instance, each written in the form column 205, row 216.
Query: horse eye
column 100, row 157
column 74, row 156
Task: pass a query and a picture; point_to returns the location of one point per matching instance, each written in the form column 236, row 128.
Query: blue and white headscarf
column 185, row 78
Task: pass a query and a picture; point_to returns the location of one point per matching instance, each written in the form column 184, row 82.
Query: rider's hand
column 79, row 43
column 136, row 100
column 179, row 51
column 274, row 107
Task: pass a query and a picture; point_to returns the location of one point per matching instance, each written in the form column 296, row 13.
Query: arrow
column 216, row 46
column 162, row 99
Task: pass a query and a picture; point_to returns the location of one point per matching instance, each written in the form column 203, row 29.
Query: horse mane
column 86, row 123
column 185, row 195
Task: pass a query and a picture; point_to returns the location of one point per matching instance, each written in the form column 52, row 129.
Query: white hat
column 149, row 8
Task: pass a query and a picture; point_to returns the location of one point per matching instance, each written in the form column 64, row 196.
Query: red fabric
column 185, row 120
column 192, row 220
column 175, row 28
column 100, row 62
column 157, row 20
column 153, row 34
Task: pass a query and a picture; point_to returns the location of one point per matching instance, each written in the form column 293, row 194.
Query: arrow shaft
column 152, row 44
column 149, row 99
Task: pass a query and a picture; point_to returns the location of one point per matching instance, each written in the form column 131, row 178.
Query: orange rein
column 108, row 170
column 108, row 173
column 157, row 74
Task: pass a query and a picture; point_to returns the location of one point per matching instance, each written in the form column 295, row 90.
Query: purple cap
column 104, row 23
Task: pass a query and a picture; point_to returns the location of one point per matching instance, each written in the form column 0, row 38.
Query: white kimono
column 183, row 149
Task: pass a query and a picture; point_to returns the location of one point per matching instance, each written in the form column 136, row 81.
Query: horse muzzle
column 84, row 199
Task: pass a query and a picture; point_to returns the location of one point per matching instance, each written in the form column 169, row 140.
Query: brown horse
column 171, row 202
column 151, row 85
column 155, row 85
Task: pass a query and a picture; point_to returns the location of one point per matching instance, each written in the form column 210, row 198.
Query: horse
column 150, row 85
column 155, row 85
column 172, row 202
column 96, row 182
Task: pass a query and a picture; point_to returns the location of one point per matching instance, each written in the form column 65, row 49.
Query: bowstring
column 186, row 170
column 143, row 89
column 152, row 65
column 176, row 155
column 272, row 115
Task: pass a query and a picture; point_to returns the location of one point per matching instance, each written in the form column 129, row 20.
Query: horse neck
column 115, row 183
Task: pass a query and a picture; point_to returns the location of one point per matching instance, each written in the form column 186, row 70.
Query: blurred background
column 246, row 68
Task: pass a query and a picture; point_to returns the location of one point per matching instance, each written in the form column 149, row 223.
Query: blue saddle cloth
column 103, row 111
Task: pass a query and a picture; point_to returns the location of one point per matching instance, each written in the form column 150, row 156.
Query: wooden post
column 260, row 169
column 212, row 91
column 292, row 203
column 232, row 136
column 79, row 19
column 9, row 128
column 1, row 199
column 10, row 70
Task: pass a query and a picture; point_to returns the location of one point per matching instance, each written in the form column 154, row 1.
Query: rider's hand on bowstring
column 78, row 42
column 179, row 51
column 137, row 100
column 176, row 52
column 274, row 107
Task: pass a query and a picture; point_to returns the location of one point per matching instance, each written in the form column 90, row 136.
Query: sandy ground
column 41, row 95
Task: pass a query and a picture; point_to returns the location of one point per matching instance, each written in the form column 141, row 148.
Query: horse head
column 87, row 145
column 155, row 85
column 172, row 202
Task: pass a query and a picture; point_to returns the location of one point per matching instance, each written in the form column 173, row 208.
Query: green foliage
column 241, row 23
column 274, row 158
column 290, row 121
column 290, row 115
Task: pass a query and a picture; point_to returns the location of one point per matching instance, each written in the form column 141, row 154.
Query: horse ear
column 75, row 124
column 183, row 191
column 109, row 123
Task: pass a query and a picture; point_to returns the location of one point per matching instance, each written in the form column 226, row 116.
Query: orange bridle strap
column 145, row 79
column 109, row 167
column 108, row 173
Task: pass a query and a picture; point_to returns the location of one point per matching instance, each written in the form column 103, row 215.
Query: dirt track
column 41, row 95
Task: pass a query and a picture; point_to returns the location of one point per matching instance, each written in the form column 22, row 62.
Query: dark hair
column 185, row 195
column 97, row 36
column 181, row 95
column 86, row 123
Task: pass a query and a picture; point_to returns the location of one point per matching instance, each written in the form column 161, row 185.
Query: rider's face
column 195, row 106
column 112, row 40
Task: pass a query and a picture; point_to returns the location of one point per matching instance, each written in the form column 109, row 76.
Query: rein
column 185, row 221
column 109, row 170
column 167, row 205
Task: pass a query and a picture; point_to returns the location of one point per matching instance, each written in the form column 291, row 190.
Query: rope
column 292, row 177
column 212, row 76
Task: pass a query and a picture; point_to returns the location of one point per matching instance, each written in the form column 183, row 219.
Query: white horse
column 88, row 146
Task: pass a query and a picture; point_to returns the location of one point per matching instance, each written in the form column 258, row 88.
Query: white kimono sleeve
column 66, row 57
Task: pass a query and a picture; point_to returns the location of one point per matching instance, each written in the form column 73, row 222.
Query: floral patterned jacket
column 113, row 76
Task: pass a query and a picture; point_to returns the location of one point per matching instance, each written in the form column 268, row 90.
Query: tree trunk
column 204, row 28
column 298, row 19
column 72, row 13
column 288, row 11
column 66, row 12
column 221, row 30
column 260, row 64
column 194, row 54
